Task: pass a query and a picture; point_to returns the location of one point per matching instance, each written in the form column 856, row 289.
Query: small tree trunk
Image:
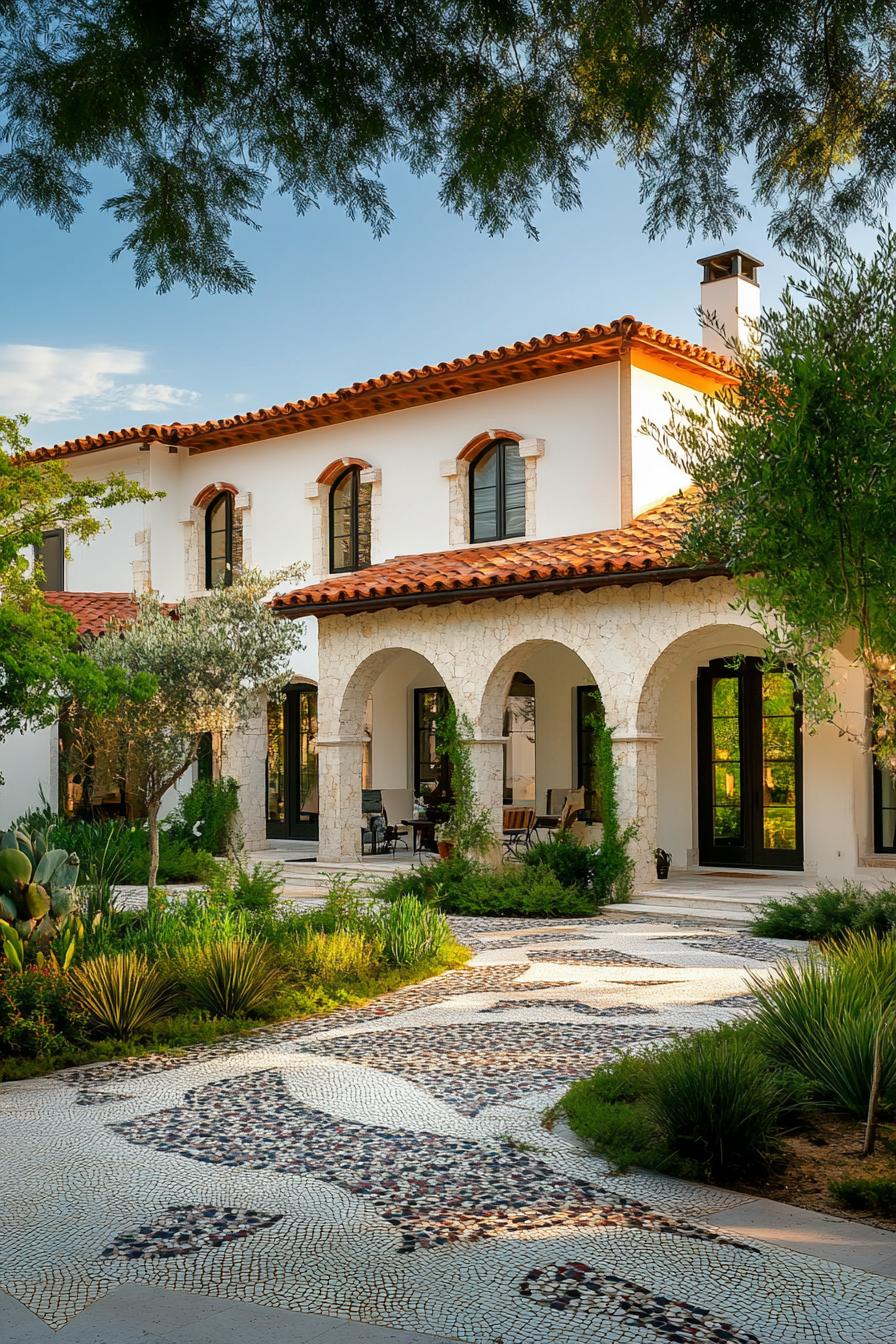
column 152, row 825
column 874, row 1097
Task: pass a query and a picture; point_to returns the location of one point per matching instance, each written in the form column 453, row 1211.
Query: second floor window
column 50, row 555
column 349, row 522
column 498, row 493
column 219, row 540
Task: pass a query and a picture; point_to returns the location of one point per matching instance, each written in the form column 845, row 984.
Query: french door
column 750, row 767
column 292, row 791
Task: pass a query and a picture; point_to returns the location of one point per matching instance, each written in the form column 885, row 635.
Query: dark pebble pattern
column 577, row 1288
column 184, row 1229
column 432, row 1188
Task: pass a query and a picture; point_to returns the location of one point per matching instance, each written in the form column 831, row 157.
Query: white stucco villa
column 498, row 528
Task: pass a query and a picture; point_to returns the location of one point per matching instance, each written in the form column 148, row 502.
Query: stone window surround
column 318, row 494
column 194, row 532
column 457, row 472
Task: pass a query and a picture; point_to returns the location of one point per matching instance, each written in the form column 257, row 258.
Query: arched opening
column 729, row 762
column 391, row 707
column 541, row 698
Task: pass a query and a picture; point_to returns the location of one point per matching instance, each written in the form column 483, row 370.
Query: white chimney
column 730, row 290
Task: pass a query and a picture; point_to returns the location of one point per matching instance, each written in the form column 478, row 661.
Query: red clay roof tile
column 540, row 357
column 93, row 611
column 650, row 542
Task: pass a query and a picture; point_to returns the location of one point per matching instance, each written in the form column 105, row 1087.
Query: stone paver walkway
column 386, row 1167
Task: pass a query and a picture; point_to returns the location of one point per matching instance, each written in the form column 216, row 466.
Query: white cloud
column 50, row 383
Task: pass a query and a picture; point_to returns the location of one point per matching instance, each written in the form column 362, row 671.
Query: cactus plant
column 37, row 889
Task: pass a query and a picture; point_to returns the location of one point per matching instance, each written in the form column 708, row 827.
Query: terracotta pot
column 445, row 848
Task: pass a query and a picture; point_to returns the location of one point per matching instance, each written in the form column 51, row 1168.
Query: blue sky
column 83, row 350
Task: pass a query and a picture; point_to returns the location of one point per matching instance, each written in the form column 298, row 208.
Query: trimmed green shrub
column 610, row 1111
column 828, row 912
column 122, row 994
column 460, row 887
column 205, row 817
column 411, row 932
column 230, row 978
column 38, row 1017
column 873, row 1194
column 574, row 864
column 716, row 1103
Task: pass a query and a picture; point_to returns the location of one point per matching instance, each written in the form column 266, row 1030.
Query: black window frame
column 877, row 791
column 588, row 700
column 501, row 530
column 354, row 473
column 227, row 498
column 53, row 534
column 440, row 780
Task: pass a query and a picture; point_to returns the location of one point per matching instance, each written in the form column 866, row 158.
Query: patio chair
column 572, row 809
column 519, row 823
column 373, row 825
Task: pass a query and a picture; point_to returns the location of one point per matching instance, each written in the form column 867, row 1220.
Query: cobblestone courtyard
column 388, row 1164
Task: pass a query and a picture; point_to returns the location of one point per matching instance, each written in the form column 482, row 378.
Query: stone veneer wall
column 629, row 639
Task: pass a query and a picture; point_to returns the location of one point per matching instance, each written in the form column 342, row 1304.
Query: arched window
column 349, row 522
column 219, row 540
column 498, row 492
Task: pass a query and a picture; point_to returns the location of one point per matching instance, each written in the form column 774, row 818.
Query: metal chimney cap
column 733, row 262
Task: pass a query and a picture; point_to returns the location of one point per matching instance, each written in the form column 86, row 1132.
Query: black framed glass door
column 749, row 755
column 292, row 786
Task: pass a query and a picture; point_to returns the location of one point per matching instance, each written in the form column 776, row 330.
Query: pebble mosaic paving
column 388, row 1164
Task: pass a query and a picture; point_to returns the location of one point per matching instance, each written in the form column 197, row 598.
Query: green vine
column 468, row 826
column 617, row 863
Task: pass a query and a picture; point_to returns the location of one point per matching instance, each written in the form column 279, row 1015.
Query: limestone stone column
column 244, row 756
column 339, row 779
column 635, row 756
column 487, row 759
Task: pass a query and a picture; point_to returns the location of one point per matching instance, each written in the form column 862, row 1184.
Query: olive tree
column 212, row 661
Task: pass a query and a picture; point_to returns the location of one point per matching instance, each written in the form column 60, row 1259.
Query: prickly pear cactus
column 37, row 889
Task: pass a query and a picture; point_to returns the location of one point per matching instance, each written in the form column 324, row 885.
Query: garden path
column 387, row 1165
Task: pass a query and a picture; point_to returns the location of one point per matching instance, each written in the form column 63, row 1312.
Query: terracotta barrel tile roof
column 540, row 357
column 93, row 611
column 650, row 543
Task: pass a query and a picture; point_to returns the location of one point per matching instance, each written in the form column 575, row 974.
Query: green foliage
column 206, row 815
column 122, row 994
column 502, row 105
column 614, row 877
column 796, row 492
column 410, row 932
column 209, row 669
column 871, row 1194
column 575, row 865
column 37, row 1015
column 716, row 1103
column 709, row 1106
column 256, row 889
column 460, row 887
column 610, row 1112
column 468, row 825
column 339, row 954
column 232, row 977
column 821, row 1018
column 39, row 655
column 828, row 912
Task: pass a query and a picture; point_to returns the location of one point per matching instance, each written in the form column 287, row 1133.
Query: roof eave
column 502, row 591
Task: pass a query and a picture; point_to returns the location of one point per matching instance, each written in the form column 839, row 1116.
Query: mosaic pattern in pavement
column 387, row 1164
column 473, row 1065
column 579, row 1289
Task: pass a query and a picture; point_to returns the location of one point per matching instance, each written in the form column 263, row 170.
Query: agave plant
column 123, row 993
column 37, row 889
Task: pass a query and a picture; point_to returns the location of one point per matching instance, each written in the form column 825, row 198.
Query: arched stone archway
column 345, row 736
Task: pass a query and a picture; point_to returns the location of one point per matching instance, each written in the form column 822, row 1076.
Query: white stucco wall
column 654, row 477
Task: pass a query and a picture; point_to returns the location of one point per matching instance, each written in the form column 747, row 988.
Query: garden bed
column 831, row 1148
